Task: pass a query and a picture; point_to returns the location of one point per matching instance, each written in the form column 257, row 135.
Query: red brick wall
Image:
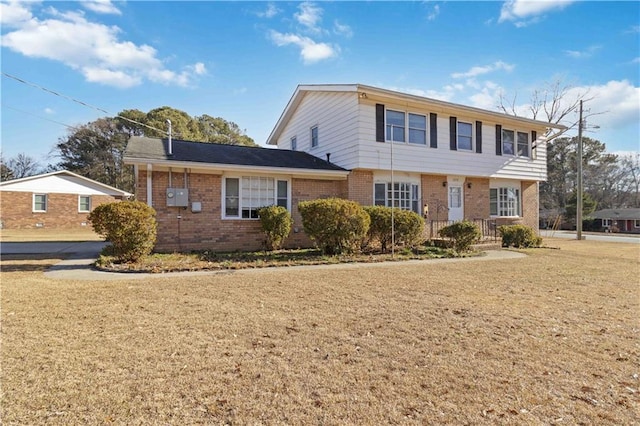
column 476, row 198
column 360, row 187
column 530, row 207
column 16, row 211
column 180, row 229
column 435, row 195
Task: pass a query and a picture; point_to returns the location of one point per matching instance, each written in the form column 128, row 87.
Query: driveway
column 86, row 248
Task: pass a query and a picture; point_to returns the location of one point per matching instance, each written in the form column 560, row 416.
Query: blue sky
column 242, row 60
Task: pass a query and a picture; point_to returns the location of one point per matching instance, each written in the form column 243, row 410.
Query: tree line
column 96, row 149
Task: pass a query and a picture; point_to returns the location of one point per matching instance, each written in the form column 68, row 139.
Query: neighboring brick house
column 60, row 200
column 618, row 220
column 447, row 162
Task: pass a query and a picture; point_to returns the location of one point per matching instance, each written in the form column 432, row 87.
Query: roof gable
column 62, row 182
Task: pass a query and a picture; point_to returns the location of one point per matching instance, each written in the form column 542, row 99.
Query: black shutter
column 453, row 135
column 379, row 123
column 498, row 139
column 433, row 130
column 479, row 137
column 534, row 144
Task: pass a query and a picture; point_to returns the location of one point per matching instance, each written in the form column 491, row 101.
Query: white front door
column 456, row 205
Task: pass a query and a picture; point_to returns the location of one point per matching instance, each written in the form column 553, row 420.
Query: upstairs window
column 244, row 196
column 418, row 129
column 314, row 136
column 395, row 126
column 523, row 144
column 508, row 142
column 39, row 202
column 294, row 143
column 465, row 138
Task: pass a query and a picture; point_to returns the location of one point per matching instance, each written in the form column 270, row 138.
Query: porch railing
column 488, row 228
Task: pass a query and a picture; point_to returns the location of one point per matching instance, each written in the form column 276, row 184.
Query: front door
column 456, row 207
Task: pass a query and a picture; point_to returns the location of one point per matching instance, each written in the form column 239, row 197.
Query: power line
column 37, row 86
column 39, row 116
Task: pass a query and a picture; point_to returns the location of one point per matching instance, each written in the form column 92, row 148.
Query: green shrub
column 337, row 225
column 276, row 223
column 519, row 236
column 130, row 227
column 408, row 226
column 463, row 234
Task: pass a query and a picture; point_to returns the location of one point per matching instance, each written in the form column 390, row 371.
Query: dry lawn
column 549, row 339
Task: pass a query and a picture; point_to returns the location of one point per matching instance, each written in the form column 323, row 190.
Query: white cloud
column 95, row 50
column 15, row 13
column 479, row 70
column 636, row 60
column 524, row 12
column 434, row 13
column 581, row 54
column 309, row 16
column 633, row 30
column 49, row 111
column 617, row 100
column 342, row 29
column 310, row 51
column 271, row 11
column 101, row 6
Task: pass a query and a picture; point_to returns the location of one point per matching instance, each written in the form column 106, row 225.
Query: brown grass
column 549, row 339
column 47, row 234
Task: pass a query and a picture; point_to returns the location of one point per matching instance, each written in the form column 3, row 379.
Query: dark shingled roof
column 627, row 214
column 213, row 153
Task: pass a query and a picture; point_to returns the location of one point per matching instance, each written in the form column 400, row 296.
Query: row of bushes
column 337, row 226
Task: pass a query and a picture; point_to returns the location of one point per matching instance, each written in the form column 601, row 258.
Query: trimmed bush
column 130, row 227
column 463, row 234
column 337, row 225
column 519, row 236
column 408, row 226
column 276, row 223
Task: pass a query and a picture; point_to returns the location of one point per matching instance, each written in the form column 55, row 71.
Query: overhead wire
column 39, row 116
column 85, row 104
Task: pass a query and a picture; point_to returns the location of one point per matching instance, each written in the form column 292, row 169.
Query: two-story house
column 375, row 146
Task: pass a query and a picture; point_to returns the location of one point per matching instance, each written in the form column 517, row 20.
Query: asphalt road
column 612, row 238
column 86, row 248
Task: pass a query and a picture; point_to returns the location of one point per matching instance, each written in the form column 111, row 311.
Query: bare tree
column 629, row 184
column 22, row 166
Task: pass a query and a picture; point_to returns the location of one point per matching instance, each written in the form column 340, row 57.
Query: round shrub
column 337, row 225
column 519, row 236
column 130, row 227
column 276, row 223
column 463, row 234
column 408, row 226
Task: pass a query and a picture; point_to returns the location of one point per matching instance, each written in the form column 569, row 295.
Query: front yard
column 548, row 339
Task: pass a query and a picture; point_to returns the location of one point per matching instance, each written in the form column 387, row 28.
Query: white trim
column 311, row 145
column 5, row 185
column 473, row 136
column 276, row 179
column 149, row 185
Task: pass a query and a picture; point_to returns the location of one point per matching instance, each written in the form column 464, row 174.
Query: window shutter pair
column 380, row 130
column 453, row 135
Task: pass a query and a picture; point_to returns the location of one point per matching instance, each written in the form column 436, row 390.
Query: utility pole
column 579, row 194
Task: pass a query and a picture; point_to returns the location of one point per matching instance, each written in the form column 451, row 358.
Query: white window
column 39, row 202
column 418, row 129
column 465, row 138
column 508, row 147
column 395, row 126
column 314, row 136
column 403, row 195
column 504, row 202
column 84, row 203
column 523, row 144
column 455, row 197
column 244, row 196
column 606, row 222
column 636, row 223
column 398, row 121
column 294, row 143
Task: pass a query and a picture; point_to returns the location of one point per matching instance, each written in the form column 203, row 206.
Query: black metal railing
column 488, row 228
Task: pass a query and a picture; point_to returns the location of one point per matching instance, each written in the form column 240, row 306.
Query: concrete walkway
column 80, row 268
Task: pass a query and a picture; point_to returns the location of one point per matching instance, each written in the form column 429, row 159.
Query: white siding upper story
column 346, row 121
column 62, row 182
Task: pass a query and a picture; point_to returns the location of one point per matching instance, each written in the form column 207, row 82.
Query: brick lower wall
column 180, row 229
column 530, row 204
column 16, row 211
column 434, row 194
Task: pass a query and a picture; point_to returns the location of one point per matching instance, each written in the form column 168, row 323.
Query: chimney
column 170, row 143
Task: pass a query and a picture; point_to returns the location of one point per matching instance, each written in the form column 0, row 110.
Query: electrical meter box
column 177, row 197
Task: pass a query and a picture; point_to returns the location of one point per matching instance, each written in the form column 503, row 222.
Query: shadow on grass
column 27, row 262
